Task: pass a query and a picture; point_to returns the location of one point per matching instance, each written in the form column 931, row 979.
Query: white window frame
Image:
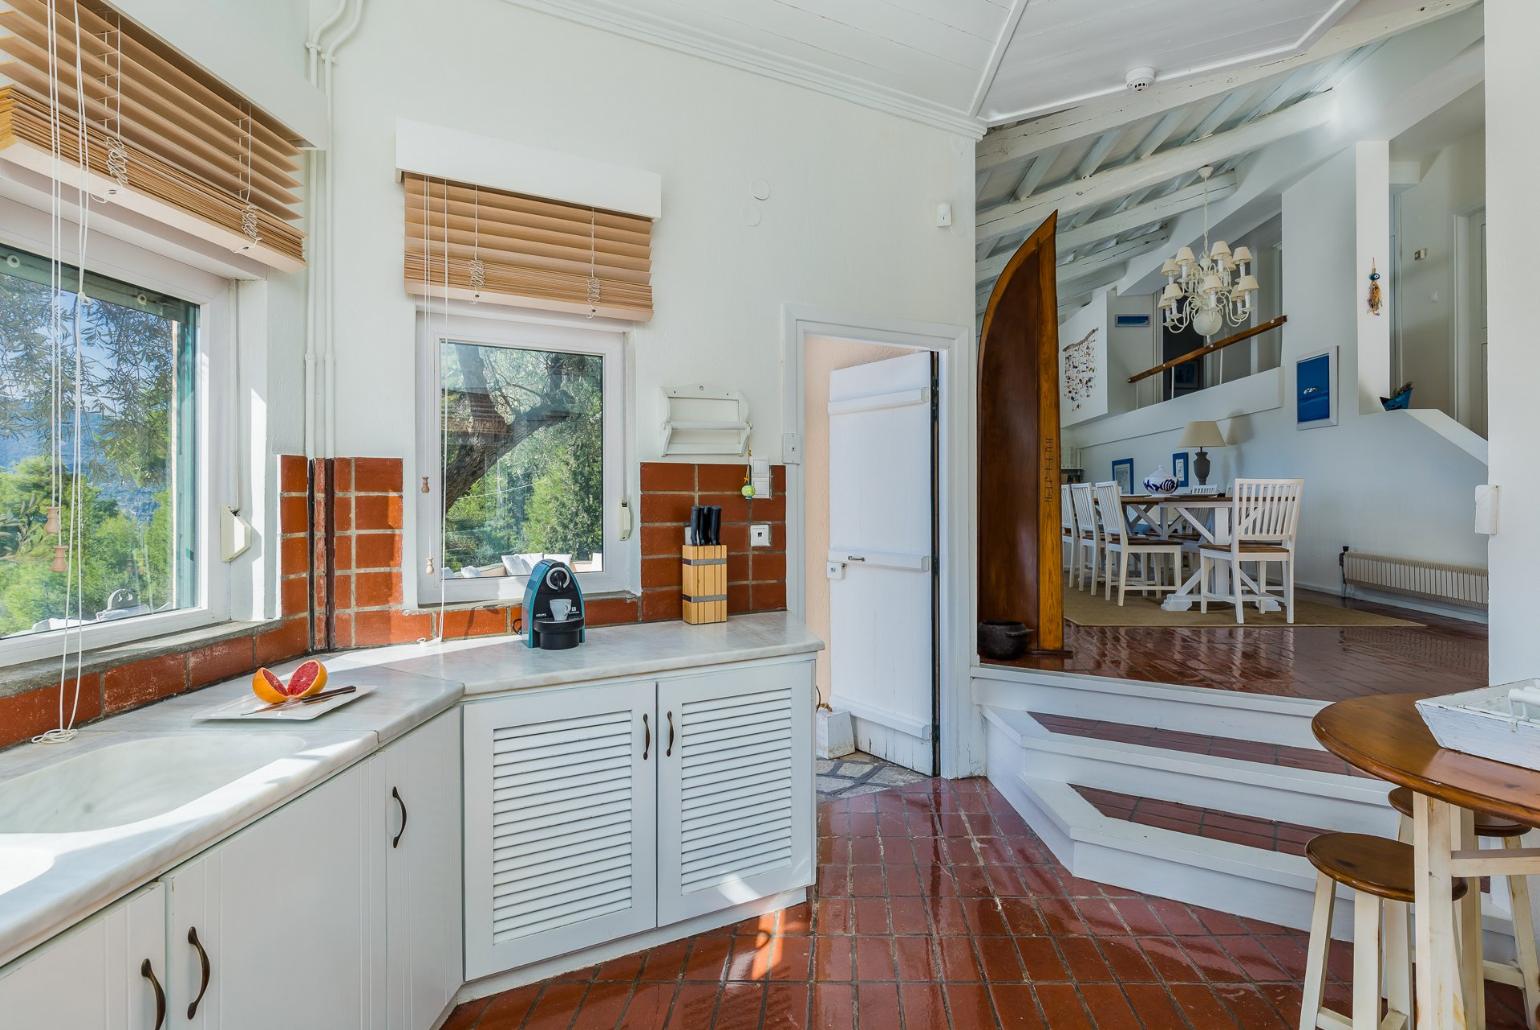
column 432, row 332
column 26, row 228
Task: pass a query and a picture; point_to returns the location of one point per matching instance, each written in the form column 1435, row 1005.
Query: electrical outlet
column 759, row 535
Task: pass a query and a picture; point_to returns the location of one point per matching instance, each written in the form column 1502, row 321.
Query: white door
column 420, row 794
column 108, row 973
column 735, row 787
column 880, row 555
column 560, row 822
column 278, row 926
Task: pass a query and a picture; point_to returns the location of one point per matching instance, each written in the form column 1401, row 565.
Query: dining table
column 1205, row 516
column 1385, row 736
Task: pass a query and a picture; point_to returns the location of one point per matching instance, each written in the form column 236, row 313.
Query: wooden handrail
column 1202, row 352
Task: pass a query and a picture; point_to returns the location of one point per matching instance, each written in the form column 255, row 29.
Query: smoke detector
column 1139, row 79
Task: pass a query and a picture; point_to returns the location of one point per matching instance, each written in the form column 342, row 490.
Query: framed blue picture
column 1315, row 390
column 1123, row 474
column 1179, row 468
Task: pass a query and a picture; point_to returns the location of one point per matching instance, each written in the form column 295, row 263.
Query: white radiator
column 1434, row 581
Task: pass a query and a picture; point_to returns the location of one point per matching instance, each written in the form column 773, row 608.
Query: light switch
column 759, row 535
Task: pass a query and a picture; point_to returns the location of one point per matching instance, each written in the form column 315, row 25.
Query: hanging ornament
column 51, row 525
column 1376, row 297
column 748, row 477
column 60, row 560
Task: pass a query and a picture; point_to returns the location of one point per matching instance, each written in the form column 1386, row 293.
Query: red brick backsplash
column 340, row 580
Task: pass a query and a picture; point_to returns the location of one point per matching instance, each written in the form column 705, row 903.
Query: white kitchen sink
column 130, row 781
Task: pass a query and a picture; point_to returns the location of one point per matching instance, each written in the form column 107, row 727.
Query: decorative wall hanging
column 1376, row 295
column 1123, row 474
column 1315, row 390
column 1080, row 369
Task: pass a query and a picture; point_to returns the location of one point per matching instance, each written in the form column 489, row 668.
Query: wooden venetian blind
column 496, row 247
column 194, row 154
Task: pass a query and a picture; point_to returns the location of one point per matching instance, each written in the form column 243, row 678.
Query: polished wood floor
column 1442, row 655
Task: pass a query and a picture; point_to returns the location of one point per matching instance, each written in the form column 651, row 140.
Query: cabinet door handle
column 148, row 972
column 396, row 840
column 670, row 752
column 203, row 976
column 646, row 738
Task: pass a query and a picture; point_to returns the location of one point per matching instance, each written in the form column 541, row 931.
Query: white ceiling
column 1067, row 51
column 970, row 64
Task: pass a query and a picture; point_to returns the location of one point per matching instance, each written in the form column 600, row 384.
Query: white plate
column 249, row 709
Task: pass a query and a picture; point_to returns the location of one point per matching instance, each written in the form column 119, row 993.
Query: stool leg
column 1398, row 961
column 1524, row 937
column 1315, row 959
column 1468, row 926
column 1366, row 961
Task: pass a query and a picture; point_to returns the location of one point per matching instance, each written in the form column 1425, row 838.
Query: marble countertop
column 501, row 664
column 49, row 881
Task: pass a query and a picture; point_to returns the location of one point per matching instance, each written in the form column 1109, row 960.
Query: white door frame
column 961, row 731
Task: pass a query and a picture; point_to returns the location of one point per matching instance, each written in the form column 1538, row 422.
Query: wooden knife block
column 705, row 584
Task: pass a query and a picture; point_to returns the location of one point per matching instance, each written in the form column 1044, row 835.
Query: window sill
column 43, row 672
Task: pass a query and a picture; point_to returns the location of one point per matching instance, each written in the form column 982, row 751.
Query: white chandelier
column 1206, row 291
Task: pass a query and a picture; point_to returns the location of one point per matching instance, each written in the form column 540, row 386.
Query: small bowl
column 1003, row 640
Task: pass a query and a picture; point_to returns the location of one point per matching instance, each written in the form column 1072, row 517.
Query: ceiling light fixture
column 1207, row 291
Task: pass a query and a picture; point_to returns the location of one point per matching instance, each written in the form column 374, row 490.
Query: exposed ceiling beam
column 1122, row 180
column 1092, row 162
column 1109, row 257
column 1126, row 220
column 1158, row 134
column 1034, row 177
column 1002, row 146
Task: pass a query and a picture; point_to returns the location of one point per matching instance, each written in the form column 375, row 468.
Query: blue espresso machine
column 553, row 607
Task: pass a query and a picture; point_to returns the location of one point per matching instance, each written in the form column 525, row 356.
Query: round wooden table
column 1385, row 735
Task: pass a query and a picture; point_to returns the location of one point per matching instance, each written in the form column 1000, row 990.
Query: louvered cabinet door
column 560, row 822
column 735, row 787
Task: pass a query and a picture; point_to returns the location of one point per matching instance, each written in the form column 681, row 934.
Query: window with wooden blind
column 495, row 247
column 161, row 136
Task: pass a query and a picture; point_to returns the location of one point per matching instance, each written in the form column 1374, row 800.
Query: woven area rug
column 1083, row 609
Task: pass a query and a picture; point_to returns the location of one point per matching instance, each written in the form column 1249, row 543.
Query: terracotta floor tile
column 1016, row 1006
column 1062, row 1008
column 1065, row 953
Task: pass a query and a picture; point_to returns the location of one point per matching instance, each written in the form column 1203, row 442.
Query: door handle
column 148, row 972
column 854, row 557
column 647, row 737
column 203, row 962
column 669, row 753
column 396, row 840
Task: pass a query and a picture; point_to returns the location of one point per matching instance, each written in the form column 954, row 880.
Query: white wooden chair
column 1264, row 524
column 1068, row 531
column 1088, row 536
column 1119, row 545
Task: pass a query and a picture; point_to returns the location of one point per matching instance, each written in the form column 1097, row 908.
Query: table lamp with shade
column 1202, row 434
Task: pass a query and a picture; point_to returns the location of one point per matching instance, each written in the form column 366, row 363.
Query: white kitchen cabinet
column 107, row 973
column 560, row 801
column 421, row 795
column 735, row 787
column 286, row 914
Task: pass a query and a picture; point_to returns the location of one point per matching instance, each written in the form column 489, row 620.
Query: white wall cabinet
column 600, row 811
column 275, row 926
column 559, row 827
column 735, row 787
column 421, row 791
column 107, row 973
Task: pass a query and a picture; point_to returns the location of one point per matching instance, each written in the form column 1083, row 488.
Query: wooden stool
column 1525, row 973
column 1378, row 870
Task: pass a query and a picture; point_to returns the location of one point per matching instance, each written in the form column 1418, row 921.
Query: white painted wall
column 848, row 225
column 1453, row 184
column 1358, row 474
column 1513, row 420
